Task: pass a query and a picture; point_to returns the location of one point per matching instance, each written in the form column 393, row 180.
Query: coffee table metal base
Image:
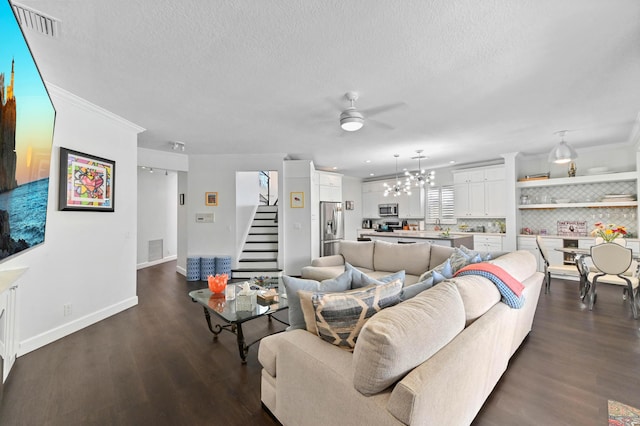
column 235, row 328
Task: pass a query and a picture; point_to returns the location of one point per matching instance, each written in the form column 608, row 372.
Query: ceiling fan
column 351, row 119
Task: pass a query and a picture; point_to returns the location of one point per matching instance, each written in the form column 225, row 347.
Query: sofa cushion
column 359, row 279
column 413, row 258
column 438, row 255
column 478, row 296
column 319, row 273
column 398, row 339
column 518, row 264
column 340, row 315
column 292, row 285
column 358, row 253
column 414, row 289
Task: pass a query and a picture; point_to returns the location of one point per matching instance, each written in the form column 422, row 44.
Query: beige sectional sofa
column 378, row 259
column 430, row 360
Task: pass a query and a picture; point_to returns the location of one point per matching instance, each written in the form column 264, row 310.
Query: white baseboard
column 52, row 335
column 181, row 270
column 156, row 262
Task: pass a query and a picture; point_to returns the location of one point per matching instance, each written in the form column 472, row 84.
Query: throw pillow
column 292, row 285
column 417, row 288
column 459, row 259
column 443, row 270
column 484, row 255
column 359, row 279
column 340, row 316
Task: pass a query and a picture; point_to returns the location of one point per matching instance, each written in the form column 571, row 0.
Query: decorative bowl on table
column 218, row 283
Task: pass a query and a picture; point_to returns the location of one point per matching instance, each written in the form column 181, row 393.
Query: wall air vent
column 36, row 21
column 155, row 250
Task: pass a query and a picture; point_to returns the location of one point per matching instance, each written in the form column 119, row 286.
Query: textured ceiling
column 477, row 78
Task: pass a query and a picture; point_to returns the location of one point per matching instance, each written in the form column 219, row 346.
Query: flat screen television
column 27, row 118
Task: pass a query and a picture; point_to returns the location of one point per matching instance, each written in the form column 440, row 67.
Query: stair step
column 252, row 273
column 261, row 245
column 260, row 254
column 265, row 209
column 263, row 230
column 265, row 215
column 262, row 238
column 258, row 263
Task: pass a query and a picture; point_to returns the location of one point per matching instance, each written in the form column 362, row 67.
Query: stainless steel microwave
column 388, row 209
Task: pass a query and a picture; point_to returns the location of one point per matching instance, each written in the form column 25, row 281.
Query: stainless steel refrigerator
column 331, row 227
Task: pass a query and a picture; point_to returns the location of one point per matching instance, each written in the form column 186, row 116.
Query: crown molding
column 88, row 106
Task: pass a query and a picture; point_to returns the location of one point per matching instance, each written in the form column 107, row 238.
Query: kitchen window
column 440, row 205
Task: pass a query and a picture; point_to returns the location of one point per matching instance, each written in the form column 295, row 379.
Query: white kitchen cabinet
column 480, row 192
column 411, row 206
column 529, row 243
column 487, row 243
column 372, row 195
column 330, row 186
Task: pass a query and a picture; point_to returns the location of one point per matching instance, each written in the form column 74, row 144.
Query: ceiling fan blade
column 379, row 124
column 382, row 108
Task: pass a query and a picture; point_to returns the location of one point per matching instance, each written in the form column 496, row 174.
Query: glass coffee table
column 225, row 310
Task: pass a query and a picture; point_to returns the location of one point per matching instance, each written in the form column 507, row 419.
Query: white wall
column 352, row 191
column 217, row 173
column 88, row 258
column 157, row 213
column 299, row 240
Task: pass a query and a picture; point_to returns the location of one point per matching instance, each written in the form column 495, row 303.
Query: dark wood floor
column 157, row 364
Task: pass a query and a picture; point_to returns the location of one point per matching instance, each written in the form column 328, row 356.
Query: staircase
column 260, row 252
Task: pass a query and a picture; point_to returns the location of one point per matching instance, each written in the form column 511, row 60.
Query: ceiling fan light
column 351, row 124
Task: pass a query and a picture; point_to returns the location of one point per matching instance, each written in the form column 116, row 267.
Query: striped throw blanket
column 510, row 288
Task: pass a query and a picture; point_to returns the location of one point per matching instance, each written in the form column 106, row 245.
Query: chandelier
column 398, row 188
column 421, row 177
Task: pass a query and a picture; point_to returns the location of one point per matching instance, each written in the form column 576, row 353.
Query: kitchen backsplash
column 543, row 219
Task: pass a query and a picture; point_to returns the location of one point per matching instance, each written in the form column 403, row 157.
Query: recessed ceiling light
column 372, row 174
column 367, row 161
column 452, row 162
column 335, row 168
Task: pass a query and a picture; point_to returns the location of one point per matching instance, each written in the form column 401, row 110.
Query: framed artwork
column 348, row 205
column 211, row 199
column 297, row 200
column 86, row 182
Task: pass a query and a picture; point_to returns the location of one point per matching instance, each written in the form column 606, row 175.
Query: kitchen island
column 408, row 237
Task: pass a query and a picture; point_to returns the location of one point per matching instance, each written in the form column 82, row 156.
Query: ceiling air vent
column 37, row 21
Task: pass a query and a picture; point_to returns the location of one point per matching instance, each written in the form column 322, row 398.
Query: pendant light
column 397, row 188
column 421, row 177
column 563, row 152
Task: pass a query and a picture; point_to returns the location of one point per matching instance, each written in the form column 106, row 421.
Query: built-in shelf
column 610, row 177
column 577, row 205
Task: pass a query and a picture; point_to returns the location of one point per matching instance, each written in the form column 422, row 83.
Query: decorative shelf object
column 610, row 177
column 578, row 205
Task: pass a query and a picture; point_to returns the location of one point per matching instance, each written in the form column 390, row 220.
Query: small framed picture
column 297, row 200
column 211, row 198
column 348, row 205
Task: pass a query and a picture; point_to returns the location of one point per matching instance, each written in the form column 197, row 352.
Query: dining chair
column 612, row 261
column 550, row 268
